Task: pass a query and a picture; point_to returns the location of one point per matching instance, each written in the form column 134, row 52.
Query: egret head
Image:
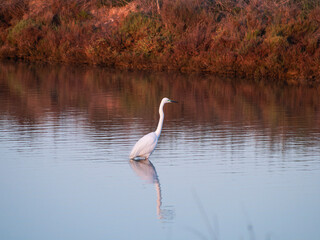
column 167, row 100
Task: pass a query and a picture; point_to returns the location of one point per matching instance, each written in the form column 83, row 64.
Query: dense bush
column 270, row 39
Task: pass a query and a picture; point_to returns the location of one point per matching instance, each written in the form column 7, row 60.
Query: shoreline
column 262, row 40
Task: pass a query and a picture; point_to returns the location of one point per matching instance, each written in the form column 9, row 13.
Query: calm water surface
column 234, row 161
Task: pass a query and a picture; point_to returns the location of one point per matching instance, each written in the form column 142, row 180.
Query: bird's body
column 146, row 145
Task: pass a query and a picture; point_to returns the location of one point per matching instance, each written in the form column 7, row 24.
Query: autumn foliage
column 257, row 39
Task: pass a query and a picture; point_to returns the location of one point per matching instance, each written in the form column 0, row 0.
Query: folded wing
column 145, row 146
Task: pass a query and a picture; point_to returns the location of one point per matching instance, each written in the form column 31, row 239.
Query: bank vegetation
column 275, row 40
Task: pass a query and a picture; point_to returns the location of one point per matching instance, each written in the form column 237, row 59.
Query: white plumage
column 146, row 145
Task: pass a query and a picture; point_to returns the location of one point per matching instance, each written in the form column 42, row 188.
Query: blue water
column 234, row 161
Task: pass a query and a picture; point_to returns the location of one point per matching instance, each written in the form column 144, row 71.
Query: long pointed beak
column 173, row 101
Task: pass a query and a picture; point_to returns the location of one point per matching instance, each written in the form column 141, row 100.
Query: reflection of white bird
column 146, row 145
column 147, row 172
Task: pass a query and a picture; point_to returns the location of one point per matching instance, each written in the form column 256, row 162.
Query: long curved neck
column 159, row 128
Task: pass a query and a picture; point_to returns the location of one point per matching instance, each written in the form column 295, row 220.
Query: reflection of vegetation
column 33, row 91
column 268, row 39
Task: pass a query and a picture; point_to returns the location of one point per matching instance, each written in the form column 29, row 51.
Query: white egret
column 146, row 145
